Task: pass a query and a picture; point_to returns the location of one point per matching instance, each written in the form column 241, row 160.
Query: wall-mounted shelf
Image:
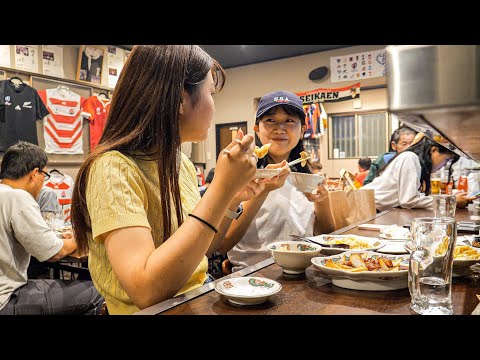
column 57, row 79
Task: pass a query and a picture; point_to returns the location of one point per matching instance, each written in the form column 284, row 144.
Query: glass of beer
column 435, row 181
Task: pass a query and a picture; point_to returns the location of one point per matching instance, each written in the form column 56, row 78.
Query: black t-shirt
column 20, row 107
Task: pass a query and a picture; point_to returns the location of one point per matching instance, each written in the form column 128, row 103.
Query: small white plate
column 394, row 239
column 395, row 232
column 247, row 290
column 267, row 173
column 393, row 247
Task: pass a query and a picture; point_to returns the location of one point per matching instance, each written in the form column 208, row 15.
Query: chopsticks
column 298, row 160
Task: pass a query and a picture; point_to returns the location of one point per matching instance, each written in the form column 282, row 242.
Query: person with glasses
column 23, row 233
column 47, row 199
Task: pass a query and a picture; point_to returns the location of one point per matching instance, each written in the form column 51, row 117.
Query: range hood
column 436, row 89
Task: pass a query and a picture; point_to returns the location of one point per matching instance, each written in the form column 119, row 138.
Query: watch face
column 234, row 215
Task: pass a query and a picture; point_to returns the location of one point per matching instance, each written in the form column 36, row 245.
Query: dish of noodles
column 352, row 242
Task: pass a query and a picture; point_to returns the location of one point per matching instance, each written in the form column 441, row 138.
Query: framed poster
column 90, row 64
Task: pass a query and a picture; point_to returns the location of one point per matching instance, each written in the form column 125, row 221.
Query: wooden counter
column 312, row 294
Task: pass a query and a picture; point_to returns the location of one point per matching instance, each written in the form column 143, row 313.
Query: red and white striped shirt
column 63, row 126
column 62, row 185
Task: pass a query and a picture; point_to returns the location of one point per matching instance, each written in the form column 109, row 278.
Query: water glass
column 444, row 206
column 430, row 266
column 53, row 220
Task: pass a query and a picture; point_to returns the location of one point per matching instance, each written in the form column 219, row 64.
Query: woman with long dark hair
column 405, row 181
column 280, row 209
column 136, row 204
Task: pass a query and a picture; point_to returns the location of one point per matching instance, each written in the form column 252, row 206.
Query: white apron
column 285, row 211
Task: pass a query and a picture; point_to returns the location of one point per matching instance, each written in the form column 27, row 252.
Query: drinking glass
column 53, row 220
column 435, row 181
column 430, row 266
column 444, row 206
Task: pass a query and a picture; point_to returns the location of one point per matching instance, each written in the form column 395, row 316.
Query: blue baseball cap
column 277, row 98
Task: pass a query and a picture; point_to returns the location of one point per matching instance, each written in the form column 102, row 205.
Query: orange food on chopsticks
column 303, row 155
column 261, row 152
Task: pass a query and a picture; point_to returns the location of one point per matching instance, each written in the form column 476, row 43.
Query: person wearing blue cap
column 280, row 209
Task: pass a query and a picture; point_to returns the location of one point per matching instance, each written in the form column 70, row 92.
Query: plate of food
column 464, row 256
column 395, row 232
column 366, row 270
column 247, row 290
column 336, row 244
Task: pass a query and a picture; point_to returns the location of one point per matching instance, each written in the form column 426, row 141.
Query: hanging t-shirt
column 21, row 107
column 63, row 187
column 96, row 110
column 63, row 127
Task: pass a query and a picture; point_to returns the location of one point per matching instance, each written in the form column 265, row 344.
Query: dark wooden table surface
column 312, row 294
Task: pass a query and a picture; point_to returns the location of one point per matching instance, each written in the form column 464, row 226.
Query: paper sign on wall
column 5, row 56
column 26, row 57
column 116, row 57
column 358, row 66
column 52, row 60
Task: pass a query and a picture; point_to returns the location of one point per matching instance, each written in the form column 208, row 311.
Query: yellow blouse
column 124, row 192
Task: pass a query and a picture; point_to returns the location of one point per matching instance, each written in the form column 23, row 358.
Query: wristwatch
column 229, row 214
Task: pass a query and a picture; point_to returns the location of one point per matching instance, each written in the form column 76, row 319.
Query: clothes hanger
column 17, row 85
column 63, row 87
column 104, row 94
column 16, row 78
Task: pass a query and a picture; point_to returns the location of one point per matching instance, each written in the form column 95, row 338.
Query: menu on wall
column 358, row 66
column 5, row 56
column 116, row 58
column 26, row 57
column 52, row 60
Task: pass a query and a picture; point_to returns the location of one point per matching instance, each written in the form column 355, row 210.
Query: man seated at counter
column 24, row 233
column 399, row 141
column 405, row 181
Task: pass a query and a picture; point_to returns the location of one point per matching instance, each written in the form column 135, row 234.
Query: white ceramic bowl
column 306, row 182
column 294, row 256
column 266, row 173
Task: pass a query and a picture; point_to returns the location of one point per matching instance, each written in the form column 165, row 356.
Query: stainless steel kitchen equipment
column 436, row 89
